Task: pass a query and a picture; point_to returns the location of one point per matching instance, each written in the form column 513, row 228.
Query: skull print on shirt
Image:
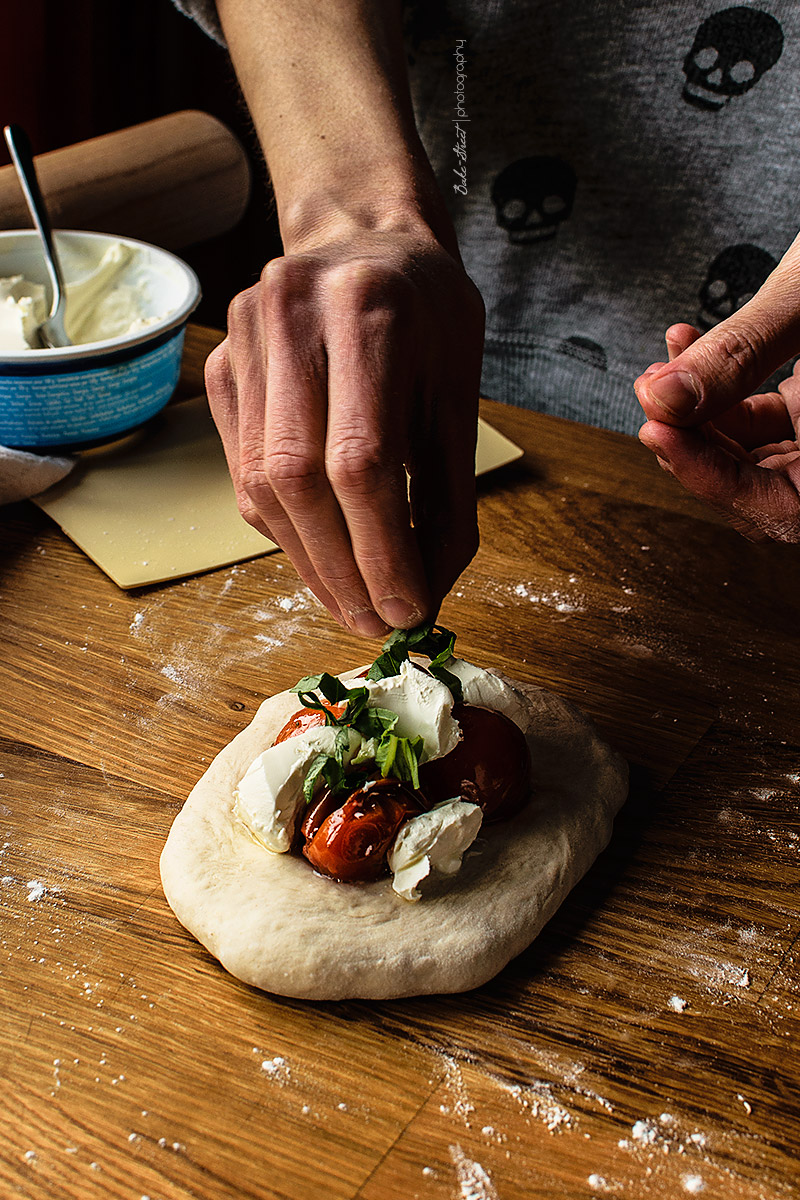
column 731, row 51
column 733, row 278
column 533, row 196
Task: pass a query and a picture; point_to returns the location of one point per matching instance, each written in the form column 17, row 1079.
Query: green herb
column 396, row 757
column 399, row 757
column 435, row 641
column 374, row 722
column 329, row 766
column 331, row 771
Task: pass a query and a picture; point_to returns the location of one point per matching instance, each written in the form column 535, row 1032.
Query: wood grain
column 174, row 181
column 645, row 1045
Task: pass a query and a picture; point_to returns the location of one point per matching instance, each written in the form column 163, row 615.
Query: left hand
column 737, row 451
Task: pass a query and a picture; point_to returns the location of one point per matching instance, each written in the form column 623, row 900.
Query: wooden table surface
column 646, row 1045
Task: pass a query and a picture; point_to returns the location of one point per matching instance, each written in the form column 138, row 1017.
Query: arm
column 358, row 353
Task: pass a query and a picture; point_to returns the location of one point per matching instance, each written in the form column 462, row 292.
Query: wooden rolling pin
column 174, row 181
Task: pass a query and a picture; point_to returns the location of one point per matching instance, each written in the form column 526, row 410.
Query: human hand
column 357, row 356
column 737, row 451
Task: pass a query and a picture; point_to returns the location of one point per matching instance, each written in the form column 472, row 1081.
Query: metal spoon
column 51, row 332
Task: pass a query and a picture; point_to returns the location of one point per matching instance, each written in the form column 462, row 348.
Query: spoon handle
column 20, row 149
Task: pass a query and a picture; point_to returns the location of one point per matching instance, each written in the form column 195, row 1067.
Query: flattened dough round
column 274, row 923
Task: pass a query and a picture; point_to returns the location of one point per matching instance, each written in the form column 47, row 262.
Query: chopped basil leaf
column 317, row 767
column 385, row 666
column 332, row 688
column 373, row 722
column 435, row 641
column 309, row 683
column 334, row 692
column 357, row 699
column 399, row 757
column 341, row 745
column 386, row 752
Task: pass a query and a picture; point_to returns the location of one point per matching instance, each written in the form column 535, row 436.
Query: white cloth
column 23, row 474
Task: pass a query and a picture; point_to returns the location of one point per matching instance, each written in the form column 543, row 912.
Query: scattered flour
column 598, row 1183
column 539, row 1100
column 558, row 600
column 301, row 599
column 277, row 1068
column 454, row 1081
column 693, row 1183
column 677, row 1004
column 474, row 1181
column 35, row 889
column 645, row 1132
column 271, row 643
column 175, row 674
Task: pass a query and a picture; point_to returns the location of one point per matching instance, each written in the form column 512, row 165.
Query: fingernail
column 400, row 613
column 675, row 392
column 664, row 464
column 367, row 623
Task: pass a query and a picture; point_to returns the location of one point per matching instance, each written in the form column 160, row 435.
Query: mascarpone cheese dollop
column 101, row 304
column 433, row 841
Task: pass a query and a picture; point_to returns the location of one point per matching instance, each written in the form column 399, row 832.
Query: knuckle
column 253, row 482
column 370, row 287
column 745, row 346
column 282, row 274
column 218, row 372
column 249, row 511
column 242, row 309
column 356, row 465
column 284, row 286
column 291, row 472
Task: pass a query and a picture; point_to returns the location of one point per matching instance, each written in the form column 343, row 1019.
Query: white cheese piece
column 105, row 301
column 22, row 310
column 270, row 796
column 434, row 840
column 486, row 689
column 423, row 705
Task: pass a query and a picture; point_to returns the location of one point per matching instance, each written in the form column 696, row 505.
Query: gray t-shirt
column 611, row 168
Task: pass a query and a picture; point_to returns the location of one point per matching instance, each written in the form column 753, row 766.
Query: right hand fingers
column 334, row 441
column 316, row 398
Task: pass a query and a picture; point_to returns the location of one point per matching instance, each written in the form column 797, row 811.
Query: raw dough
column 274, row 923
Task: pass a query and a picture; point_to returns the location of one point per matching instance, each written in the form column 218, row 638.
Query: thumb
column 733, row 359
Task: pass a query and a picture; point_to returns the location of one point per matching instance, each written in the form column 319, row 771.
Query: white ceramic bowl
column 93, row 392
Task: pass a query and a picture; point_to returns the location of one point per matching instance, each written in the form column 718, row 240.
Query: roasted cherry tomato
column 490, row 766
column 306, row 718
column 352, row 841
column 319, row 808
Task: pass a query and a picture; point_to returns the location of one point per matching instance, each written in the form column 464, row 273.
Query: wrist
column 399, row 197
column 325, row 214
